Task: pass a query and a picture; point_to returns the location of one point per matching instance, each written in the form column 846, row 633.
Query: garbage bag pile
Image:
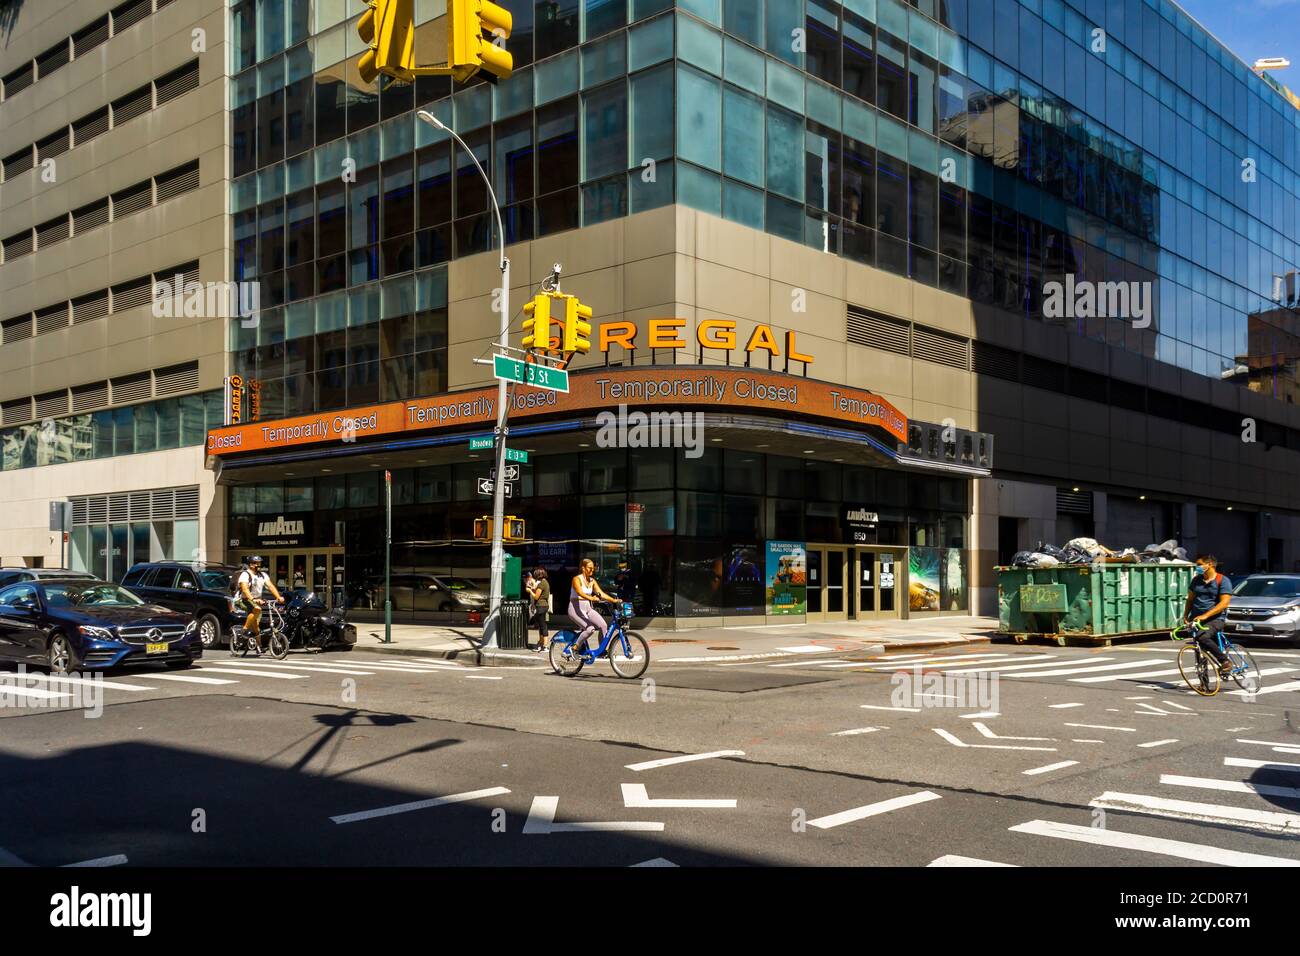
column 1089, row 551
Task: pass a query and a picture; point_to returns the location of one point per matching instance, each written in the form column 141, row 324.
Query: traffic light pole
column 498, row 564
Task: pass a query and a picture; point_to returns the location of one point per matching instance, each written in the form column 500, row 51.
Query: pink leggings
column 584, row 614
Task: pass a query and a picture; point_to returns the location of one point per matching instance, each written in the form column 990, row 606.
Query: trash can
column 1091, row 603
column 512, row 629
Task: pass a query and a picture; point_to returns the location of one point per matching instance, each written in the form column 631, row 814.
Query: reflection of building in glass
column 1271, row 365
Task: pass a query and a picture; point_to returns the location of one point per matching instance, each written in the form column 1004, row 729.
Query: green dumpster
column 1092, row 602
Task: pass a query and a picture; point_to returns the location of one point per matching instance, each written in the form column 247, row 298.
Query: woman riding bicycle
column 583, row 591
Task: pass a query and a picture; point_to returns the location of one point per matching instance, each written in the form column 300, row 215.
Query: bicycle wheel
column 627, row 665
column 277, row 645
column 1198, row 670
column 1244, row 670
column 565, row 666
column 238, row 644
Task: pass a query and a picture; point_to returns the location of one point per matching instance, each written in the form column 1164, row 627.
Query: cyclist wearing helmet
column 251, row 582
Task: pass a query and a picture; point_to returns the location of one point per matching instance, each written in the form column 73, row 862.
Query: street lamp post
column 490, row 625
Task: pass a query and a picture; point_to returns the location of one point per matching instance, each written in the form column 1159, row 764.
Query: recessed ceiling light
column 809, row 451
column 839, row 459
column 1229, row 507
column 1076, row 488
column 715, row 439
column 764, row 445
column 1142, row 497
column 583, row 444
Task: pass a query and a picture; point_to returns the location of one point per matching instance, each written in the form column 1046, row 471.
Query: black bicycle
column 277, row 642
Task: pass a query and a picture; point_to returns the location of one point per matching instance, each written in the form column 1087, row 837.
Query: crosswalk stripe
column 86, row 682
column 1230, row 786
column 1050, row 767
column 1206, row 812
column 259, row 672
column 1146, row 844
column 32, row 693
column 992, row 664
column 296, row 667
column 1159, row 743
column 964, row 659
column 1091, row 668
column 872, row 809
column 1277, row 765
column 1270, row 688
column 1019, row 667
column 964, row 861
column 388, row 668
column 187, row 679
column 1127, row 730
column 1109, row 677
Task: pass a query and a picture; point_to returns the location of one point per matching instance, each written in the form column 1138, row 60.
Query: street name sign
column 530, row 373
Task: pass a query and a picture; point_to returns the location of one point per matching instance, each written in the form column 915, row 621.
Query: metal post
column 498, row 562
column 388, row 557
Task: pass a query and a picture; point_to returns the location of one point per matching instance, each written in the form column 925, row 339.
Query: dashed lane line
column 685, row 758
column 1050, row 767
column 1269, row 820
column 1147, row 844
column 872, row 810
column 419, row 805
column 1230, row 786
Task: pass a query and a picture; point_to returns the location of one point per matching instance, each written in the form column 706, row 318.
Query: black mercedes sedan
column 74, row 624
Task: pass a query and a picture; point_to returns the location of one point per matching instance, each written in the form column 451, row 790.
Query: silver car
column 1266, row 606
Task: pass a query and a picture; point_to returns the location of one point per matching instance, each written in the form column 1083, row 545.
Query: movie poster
column 924, row 584
column 954, row 579
column 787, row 578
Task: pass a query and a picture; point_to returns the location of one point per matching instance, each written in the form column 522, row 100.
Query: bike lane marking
column 686, row 758
column 419, row 805
column 873, row 809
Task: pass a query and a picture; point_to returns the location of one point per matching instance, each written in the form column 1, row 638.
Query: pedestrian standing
column 539, row 590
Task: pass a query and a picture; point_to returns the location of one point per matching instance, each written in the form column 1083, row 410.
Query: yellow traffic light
column 537, row 323
column 468, row 50
column 388, row 27
column 577, row 325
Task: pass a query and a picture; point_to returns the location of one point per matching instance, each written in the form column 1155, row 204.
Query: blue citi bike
column 1201, row 671
column 627, row 652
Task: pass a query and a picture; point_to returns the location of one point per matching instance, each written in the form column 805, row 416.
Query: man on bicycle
column 1207, row 600
column 251, row 582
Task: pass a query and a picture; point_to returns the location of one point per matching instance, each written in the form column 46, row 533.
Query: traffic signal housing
column 468, row 50
column 388, row 28
column 577, row 326
column 513, row 530
column 537, row 323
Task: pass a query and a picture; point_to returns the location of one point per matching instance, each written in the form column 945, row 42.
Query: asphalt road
column 1026, row 756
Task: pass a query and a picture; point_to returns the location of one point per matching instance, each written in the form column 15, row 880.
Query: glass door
column 828, row 586
column 867, row 590
column 879, row 577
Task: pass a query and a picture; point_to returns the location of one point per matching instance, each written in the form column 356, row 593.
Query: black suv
column 10, row 576
column 202, row 590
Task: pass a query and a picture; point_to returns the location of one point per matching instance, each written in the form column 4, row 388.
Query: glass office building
column 984, row 149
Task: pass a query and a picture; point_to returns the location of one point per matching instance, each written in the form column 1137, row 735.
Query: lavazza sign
column 281, row 528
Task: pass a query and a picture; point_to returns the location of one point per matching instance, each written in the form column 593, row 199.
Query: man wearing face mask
column 1207, row 600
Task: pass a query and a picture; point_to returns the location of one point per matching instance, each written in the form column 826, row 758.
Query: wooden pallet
column 1081, row 640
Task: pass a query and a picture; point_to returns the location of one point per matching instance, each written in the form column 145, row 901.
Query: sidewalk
column 701, row 644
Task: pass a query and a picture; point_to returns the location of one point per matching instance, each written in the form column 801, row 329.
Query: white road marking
column 1129, row 730
column 482, row 677
column 1034, row 669
column 291, row 667
column 541, row 822
column 1050, row 767
column 32, row 693
column 1063, row 706
column 872, row 809
column 686, row 758
column 259, row 672
column 386, row 668
column 806, row 649
column 87, row 682
column 983, row 729
column 1269, row 688
column 857, row 730
column 1271, row 743
column 1089, row 669
column 1276, row 765
column 910, row 710
column 1159, row 743
column 982, row 713
column 964, row 861
column 936, row 662
column 657, row 861
column 1109, row 677
column 1137, row 698
column 117, row 859
column 1134, row 841
column 952, row 739
column 991, row 663
column 1230, row 786
column 1083, row 740
column 419, row 805
column 635, row 796
column 1269, row 820
column 1174, row 703
column 187, row 679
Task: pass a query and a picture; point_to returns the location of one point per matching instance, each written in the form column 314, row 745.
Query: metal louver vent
column 128, row 295
column 54, row 144
column 80, row 510
column 141, row 508
column 177, row 83
column 56, row 230
column 19, row 79
column 942, row 348
column 995, row 361
column 51, row 404
column 16, row 329
column 177, row 378
column 89, row 217
column 97, row 510
column 52, row 59
column 118, row 507
column 16, row 410
column 90, row 126
column 136, row 103
column 19, row 162
column 132, row 388
column 176, row 182
column 52, row 318
column 17, row 245
column 164, row 503
column 879, row 331
column 88, row 397
column 132, row 199
column 1073, row 502
column 129, row 14
column 91, row 36
column 88, row 307
column 187, row 502
column 1041, row 373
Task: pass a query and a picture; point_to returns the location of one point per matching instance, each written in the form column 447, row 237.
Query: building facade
column 114, row 130
column 1051, row 245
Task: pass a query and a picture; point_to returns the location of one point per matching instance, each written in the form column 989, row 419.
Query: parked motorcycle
column 308, row 623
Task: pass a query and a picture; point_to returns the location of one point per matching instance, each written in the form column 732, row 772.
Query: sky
column 1253, row 29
